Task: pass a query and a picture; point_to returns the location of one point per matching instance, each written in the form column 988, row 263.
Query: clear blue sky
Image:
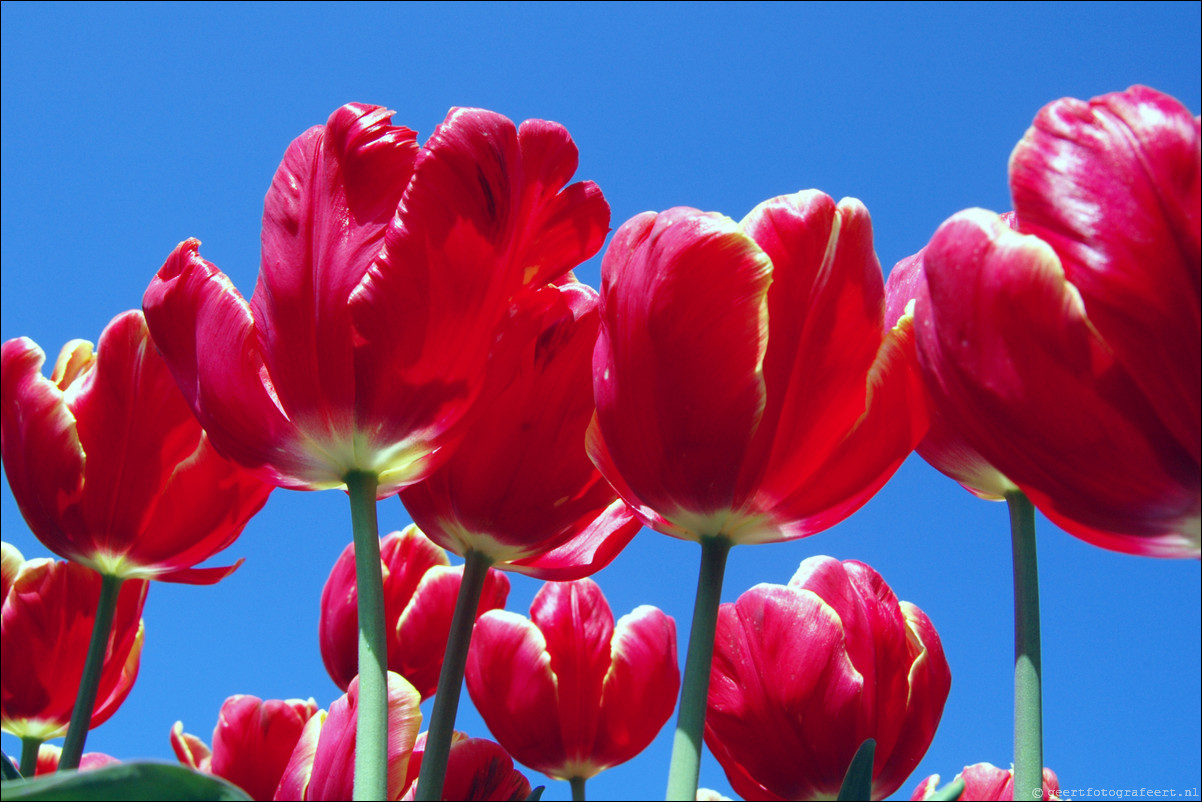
column 127, row 128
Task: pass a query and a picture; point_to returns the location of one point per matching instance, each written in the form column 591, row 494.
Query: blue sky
column 127, row 128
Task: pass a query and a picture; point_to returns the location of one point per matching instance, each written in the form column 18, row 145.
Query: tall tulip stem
column 29, row 756
column 450, row 678
column 371, row 729
column 577, row 789
column 1028, row 701
column 690, row 726
column 89, row 682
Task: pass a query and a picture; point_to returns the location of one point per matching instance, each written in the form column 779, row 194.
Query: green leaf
column 949, row 792
column 126, row 781
column 7, row 770
column 536, row 794
column 857, row 783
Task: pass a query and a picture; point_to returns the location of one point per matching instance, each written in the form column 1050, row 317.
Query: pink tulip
column 252, row 742
column 748, row 385
column 48, row 756
column 520, row 489
column 1060, row 345
column 420, row 588
column 477, row 769
column 49, row 609
column 568, row 693
column 109, row 466
column 386, row 269
column 986, row 782
column 804, row 673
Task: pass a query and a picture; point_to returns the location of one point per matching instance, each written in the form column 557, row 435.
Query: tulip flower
column 48, row 757
column 420, row 588
column 804, row 673
column 748, row 389
column 252, row 742
column 520, row 492
column 477, row 769
column 1089, row 401
column 49, row 609
column 986, row 782
column 367, row 336
column 566, row 692
column 109, row 466
column 322, row 765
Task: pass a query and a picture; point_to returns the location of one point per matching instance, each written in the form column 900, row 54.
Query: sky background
column 128, row 128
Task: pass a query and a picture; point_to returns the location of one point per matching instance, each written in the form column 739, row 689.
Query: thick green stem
column 29, row 756
column 371, row 731
column 450, row 679
column 1028, row 700
column 577, row 789
column 85, row 701
column 686, row 748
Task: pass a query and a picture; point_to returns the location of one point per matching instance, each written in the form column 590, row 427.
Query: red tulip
column 477, row 769
column 804, row 673
column 48, row 614
column 747, row 383
column 420, row 588
column 520, row 488
column 48, row 756
column 1088, row 401
column 252, row 742
column 985, row 782
column 322, row 766
column 568, row 693
column 108, row 464
column 385, row 270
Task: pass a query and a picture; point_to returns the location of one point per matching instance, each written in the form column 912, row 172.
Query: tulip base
column 577, row 784
column 450, row 679
column 685, row 767
column 89, row 682
column 1028, row 659
column 371, row 728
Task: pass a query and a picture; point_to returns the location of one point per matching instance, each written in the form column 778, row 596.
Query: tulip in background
column 252, row 742
column 49, row 609
column 477, row 768
column 804, row 673
column 1089, row 400
column 986, row 782
column 748, row 389
column 48, row 757
column 566, row 692
column 420, row 588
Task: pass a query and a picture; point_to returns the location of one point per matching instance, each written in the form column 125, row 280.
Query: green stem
column 686, row 748
column 450, row 678
column 577, row 789
column 371, row 729
column 1028, row 701
column 89, row 683
column 29, row 755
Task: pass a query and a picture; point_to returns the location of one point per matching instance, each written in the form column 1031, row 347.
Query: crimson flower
column 520, row 489
column 804, row 673
column 568, row 693
column 108, row 464
column 747, row 383
column 986, row 782
column 1061, row 345
column 420, row 588
column 252, row 742
column 385, row 270
column 477, row 769
column 48, row 614
column 48, row 757
column 322, row 765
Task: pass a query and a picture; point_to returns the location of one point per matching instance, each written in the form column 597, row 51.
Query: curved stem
column 1028, row 668
column 371, row 728
column 686, row 748
column 29, row 756
column 450, row 678
column 85, row 701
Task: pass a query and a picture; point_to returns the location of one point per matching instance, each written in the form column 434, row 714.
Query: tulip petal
column 1113, row 186
column 587, row 551
column 254, row 740
column 190, row 750
column 678, row 362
